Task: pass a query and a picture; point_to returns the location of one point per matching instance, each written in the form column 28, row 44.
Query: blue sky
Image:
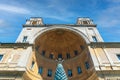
column 105, row 13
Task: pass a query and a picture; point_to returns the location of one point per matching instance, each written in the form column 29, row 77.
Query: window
column 24, row 39
column 43, row 53
column 76, row 52
column 32, row 64
column 79, row 70
column 51, row 56
column 40, row 70
column 118, row 56
column 1, row 56
column 49, row 73
column 82, row 47
column 87, row 65
column 85, row 22
column 37, row 47
column 68, row 55
column 94, row 38
column 69, row 72
column 59, row 55
column 34, row 22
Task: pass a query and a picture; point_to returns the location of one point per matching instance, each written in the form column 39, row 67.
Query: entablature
column 72, row 25
column 15, row 45
column 105, row 44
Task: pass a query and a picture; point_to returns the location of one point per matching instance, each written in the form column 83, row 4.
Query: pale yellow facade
column 78, row 47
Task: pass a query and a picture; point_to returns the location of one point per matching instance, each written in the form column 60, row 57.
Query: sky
column 105, row 13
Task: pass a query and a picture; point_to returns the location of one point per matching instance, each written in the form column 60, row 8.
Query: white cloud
column 1, row 21
column 1, row 25
column 59, row 10
column 109, row 17
column 13, row 9
column 54, row 9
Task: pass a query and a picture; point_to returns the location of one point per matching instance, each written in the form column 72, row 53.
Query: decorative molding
column 104, row 44
column 15, row 45
column 72, row 25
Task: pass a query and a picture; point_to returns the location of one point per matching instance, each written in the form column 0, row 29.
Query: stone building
column 60, row 52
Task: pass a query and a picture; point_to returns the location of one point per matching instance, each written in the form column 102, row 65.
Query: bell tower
column 84, row 21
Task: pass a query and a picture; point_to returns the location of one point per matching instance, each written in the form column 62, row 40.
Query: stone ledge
column 105, row 44
column 15, row 45
column 72, row 25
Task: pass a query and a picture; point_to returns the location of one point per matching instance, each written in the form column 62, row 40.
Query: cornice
column 72, row 25
column 105, row 44
column 15, row 45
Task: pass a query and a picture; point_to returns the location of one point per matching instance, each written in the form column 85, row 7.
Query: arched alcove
column 67, row 46
column 35, row 36
column 59, row 43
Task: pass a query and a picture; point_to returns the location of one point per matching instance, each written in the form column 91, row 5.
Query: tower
column 38, row 49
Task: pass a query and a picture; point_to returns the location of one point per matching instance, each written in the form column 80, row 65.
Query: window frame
column 87, row 65
column 94, row 39
column 68, row 55
column 43, row 52
column 51, row 56
column 25, row 39
column 49, row 73
column 40, row 70
column 70, row 74
column 32, row 64
column 82, row 47
column 37, row 48
column 60, row 55
column 1, row 57
column 75, row 52
column 118, row 56
column 79, row 70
